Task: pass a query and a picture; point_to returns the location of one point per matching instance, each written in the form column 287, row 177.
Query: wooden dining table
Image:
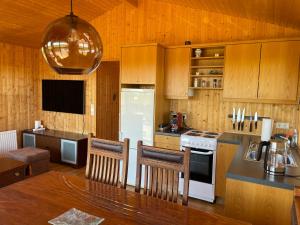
column 39, row 199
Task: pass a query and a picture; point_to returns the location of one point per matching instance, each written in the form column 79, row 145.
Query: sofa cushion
column 29, row 155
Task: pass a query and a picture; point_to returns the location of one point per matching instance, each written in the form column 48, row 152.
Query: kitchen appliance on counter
column 266, row 133
column 203, row 146
column 276, row 157
column 176, row 121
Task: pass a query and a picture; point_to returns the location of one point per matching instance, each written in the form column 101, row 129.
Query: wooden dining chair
column 104, row 159
column 161, row 172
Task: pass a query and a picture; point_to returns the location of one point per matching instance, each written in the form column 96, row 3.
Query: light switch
column 92, row 110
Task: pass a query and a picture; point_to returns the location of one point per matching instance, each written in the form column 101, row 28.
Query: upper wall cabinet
column 177, row 69
column 262, row 72
column 279, row 71
column 241, row 71
column 139, row 64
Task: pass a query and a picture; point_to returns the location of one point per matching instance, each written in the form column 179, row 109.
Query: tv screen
column 63, row 96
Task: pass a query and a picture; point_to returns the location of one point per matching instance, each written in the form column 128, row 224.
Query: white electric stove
column 203, row 146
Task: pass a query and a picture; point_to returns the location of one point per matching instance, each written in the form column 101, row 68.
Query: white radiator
column 8, row 141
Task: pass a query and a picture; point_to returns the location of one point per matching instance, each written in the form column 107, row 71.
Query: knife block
column 246, row 129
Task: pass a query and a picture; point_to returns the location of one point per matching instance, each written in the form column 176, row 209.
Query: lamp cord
column 71, row 13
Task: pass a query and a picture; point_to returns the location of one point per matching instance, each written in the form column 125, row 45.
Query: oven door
column 201, row 165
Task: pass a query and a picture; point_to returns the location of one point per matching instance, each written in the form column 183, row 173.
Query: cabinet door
column 28, row 140
column 69, row 151
column 241, row 71
column 168, row 142
column 51, row 144
column 177, row 69
column 138, row 64
column 225, row 154
column 279, row 71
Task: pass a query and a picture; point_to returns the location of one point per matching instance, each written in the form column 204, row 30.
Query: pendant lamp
column 71, row 45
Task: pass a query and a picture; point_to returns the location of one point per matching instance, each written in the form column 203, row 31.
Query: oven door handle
column 203, row 153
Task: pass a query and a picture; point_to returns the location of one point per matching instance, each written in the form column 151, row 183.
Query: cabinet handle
column 17, row 174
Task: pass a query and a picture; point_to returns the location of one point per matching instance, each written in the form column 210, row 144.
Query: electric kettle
column 276, row 157
column 266, row 132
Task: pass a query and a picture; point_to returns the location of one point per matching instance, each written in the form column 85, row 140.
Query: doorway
column 107, row 100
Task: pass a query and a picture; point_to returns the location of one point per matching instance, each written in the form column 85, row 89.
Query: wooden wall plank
column 18, row 71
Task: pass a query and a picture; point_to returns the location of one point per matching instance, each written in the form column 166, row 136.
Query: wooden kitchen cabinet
column 165, row 141
column 51, row 144
column 139, row 64
column 241, row 71
column 225, row 154
column 265, row 72
column 279, row 71
column 257, row 203
column 177, row 70
column 64, row 147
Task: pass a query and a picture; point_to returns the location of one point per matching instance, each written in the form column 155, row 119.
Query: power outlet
column 282, row 125
column 184, row 116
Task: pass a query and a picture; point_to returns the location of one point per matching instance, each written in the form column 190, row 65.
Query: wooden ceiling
column 280, row 12
column 23, row 21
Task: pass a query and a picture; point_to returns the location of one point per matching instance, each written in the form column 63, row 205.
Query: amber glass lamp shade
column 72, row 46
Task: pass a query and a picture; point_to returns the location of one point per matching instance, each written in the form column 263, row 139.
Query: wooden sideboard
column 64, row 147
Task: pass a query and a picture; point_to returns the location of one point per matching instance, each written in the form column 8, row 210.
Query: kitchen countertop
column 253, row 171
column 169, row 133
column 58, row 134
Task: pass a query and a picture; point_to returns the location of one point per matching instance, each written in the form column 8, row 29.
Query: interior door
column 107, row 103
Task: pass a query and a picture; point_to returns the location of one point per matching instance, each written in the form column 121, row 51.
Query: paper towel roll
column 266, row 129
column 37, row 124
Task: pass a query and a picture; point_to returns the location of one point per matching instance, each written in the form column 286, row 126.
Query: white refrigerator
column 136, row 122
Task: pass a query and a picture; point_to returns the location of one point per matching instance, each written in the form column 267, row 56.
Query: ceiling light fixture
column 72, row 46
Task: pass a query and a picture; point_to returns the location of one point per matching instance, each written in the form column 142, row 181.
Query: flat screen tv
column 63, row 96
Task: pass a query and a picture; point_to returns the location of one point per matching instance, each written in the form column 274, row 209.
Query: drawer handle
column 17, row 174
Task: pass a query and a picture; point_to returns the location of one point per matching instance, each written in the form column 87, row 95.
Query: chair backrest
column 161, row 172
column 104, row 161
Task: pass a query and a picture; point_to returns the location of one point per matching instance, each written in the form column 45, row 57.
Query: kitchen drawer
column 51, row 144
column 172, row 140
column 166, row 145
column 12, row 176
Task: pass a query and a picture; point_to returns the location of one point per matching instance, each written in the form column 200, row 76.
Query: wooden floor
column 194, row 203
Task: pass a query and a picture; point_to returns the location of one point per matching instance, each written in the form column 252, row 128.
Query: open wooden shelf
column 205, row 65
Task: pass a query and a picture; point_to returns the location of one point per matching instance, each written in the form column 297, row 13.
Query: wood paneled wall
column 66, row 121
column 18, row 75
column 22, row 69
column 168, row 24
column 207, row 111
